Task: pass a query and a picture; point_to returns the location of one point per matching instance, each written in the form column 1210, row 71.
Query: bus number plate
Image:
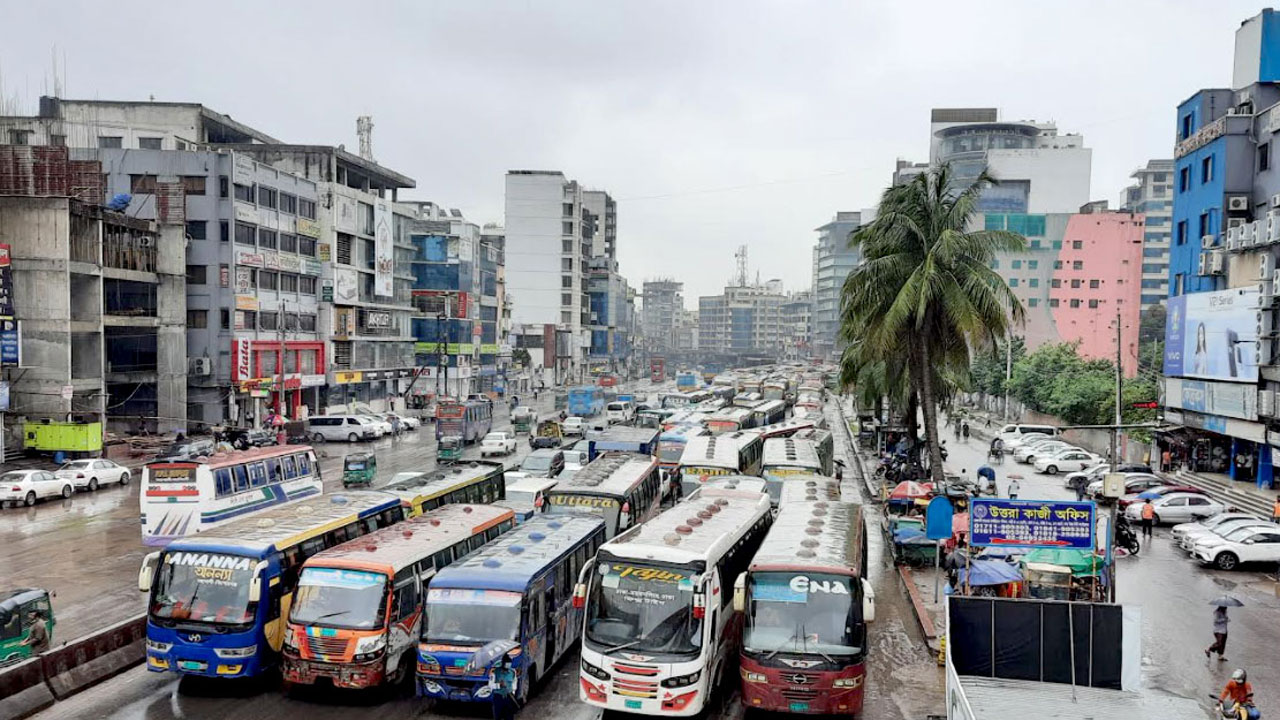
column 633, row 704
column 799, row 707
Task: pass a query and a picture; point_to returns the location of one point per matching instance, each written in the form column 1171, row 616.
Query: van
column 352, row 428
column 1015, row 431
column 621, row 411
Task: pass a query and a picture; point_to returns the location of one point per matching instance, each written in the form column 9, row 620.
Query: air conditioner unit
column 1217, row 262
column 1246, row 240
column 1235, row 222
column 1206, row 242
column 1275, row 279
column 1204, row 264
column 200, row 366
column 1233, row 237
column 1251, row 234
column 1267, row 403
column 1266, row 266
column 1264, row 324
column 1275, row 200
column 1263, row 352
column 1265, row 296
column 1237, row 203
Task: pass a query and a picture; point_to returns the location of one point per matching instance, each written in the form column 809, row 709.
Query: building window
column 1055, row 283
column 224, row 230
column 1075, row 303
column 370, row 253
column 224, row 318
column 307, row 323
column 142, row 184
column 1094, row 284
column 197, row 319
column 267, row 238
column 1264, row 156
column 268, row 321
column 1016, row 264
column 288, row 203
column 1206, row 170
column 1185, row 131
column 19, row 137
column 266, row 196
column 1033, row 302
column 566, row 227
column 307, row 208
column 197, row 274
column 1013, row 282
column 1033, row 264
column 150, row 143
column 1093, row 304
column 307, row 285
column 566, row 317
column 1057, row 264
column 1204, row 224
column 1077, row 264
column 193, row 184
column 566, row 281
column 108, row 142
column 288, row 282
column 197, row 229
column 1075, row 284
column 223, row 186
column 365, row 215
column 268, row 280
column 245, row 233
column 288, row 243
column 1184, row 179
column 568, row 210
column 566, row 265
column 566, row 299
column 244, row 193
column 1181, row 232
column 57, row 141
column 1053, row 302
column 306, row 246
column 1034, row 282
column 566, row 246
column 344, row 249
column 1177, row 284
column 246, row 319
column 995, row 264
column 1077, row 244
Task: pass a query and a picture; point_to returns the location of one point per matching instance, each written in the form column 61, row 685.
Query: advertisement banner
column 244, row 279
column 346, row 285
column 1212, row 335
column 10, row 342
column 325, row 252
column 344, row 213
column 384, row 263
column 1235, row 400
column 1031, row 523
column 251, row 259
column 377, row 320
column 308, row 227
column 6, row 283
column 246, row 302
column 240, row 360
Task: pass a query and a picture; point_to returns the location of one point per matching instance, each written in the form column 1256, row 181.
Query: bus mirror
column 255, row 584
column 740, row 593
column 147, row 573
column 868, row 601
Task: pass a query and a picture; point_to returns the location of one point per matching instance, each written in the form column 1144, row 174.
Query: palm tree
column 925, row 294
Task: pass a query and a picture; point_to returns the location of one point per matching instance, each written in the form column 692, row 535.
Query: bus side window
column 290, row 470
column 406, row 595
column 304, row 464
column 242, row 478
column 222, row 478
column 273, row 470
column 257, row 474
column 275, row 593
column 443, row 558
column 490, row 534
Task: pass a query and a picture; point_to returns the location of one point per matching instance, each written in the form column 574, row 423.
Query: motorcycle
column 1125, row 536
column 1229, row 709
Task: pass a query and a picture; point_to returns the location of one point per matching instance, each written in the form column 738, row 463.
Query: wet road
column 1173, row 592
column 87, row 549
column 904, row 683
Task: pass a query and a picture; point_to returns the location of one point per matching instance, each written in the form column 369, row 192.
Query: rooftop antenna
column 740, row 278
column 364, row 131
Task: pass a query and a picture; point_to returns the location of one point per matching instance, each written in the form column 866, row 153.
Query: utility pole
column 1115, row 457
column 280, row 362
column 1008, row 373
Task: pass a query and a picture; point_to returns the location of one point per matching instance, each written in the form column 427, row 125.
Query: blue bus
column 469, row 420
column 586, row 400
column 219, row 601
column 517, row 589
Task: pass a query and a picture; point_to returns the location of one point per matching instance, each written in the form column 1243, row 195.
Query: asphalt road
column 904, row 683
column 1173, row 592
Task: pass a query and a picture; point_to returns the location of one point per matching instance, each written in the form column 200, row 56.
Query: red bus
column 657, row 369
column 806, row 605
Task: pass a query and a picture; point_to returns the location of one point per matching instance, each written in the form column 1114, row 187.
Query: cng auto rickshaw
column 360, row 468
column 522, row 419
column 449, row 449
column 16, row 607
column 549, row 435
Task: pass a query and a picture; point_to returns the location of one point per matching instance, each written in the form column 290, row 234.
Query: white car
column 574, row 458
column 1177, row 507
column 1133, row 483
column 1247, row 544
column 1021, row 441
column 497, row 443
column 1067, row 460
column 1088, row 475
column 1043, row 449
column 1183, row 530
column 526, row 496
column 383, row 424
column 89, row 474
column 409, row 423
column 27, row 486
column 1189, row 541
column 573, row 425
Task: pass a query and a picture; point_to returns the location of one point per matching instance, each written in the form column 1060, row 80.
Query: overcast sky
column 714, row 124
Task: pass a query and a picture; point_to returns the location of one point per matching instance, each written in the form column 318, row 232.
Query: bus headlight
column 682, row 680
column 754, row 677
column 595, row 672
column 851, row 682
column 159, row 647
column 370, row 648
column 240, row 652
column 290, row 641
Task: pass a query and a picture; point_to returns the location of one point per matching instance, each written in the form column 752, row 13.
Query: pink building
column 1098, row 272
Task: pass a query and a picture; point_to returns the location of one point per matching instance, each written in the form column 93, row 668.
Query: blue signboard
column 10, row 345
column 937, row 519
column 1031, row 523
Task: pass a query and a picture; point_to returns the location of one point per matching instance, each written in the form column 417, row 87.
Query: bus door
column 535, row 631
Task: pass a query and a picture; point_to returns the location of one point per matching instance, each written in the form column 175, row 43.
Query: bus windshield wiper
column 625, row 645
column 335, row 613
column 805, row 646
column 794, row 636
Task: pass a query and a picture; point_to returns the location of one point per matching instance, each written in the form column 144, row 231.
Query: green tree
column 925, row 293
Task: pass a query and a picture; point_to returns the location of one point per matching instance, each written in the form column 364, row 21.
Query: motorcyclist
column 1238, row 690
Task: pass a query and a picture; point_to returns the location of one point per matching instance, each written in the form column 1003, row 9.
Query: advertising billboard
column 1213, row 335
column 384, row 263
column 346, row 283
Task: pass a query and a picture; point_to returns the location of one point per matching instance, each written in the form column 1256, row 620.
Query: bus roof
column 286, row 525
column 770, row 406
column 746, row 483
column 824, row 536
column 624, row 434
column 433, row 483
column 611, row 473
column 704, row 525
column 730, row 413
column 806, row 487
column 237, row 457
column 512, row 560
column 786, row 427
column 392, row 548
column 683, row 432
column 714, row 450
column 790, row 452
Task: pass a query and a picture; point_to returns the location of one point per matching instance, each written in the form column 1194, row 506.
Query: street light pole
column 1115, row 459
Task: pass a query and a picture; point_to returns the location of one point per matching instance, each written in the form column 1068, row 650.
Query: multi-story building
column 1221, row 378
column 744, row 320
column 663, row 303
column 604, row 227
column 833, row 260
column 685, row 339
column 796, row 318
column 1152, row 196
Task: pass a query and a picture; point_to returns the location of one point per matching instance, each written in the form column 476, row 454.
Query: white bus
column 809, row 488
column 186, row 497
column 623, row 488
column 787, row 456
column 660, row 628
column 710, row 455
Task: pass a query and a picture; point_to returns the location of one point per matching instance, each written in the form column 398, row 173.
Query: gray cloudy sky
column 714, row 124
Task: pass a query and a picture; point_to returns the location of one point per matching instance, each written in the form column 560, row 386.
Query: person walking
column 1148, row 518
column 502, row 684
column 1166, row 460
column 1079, row 483
column 964, row 430
column 1275, row 510
column 1014, row 488
column 986, row 480
column 38, row 637
column 1219, row 634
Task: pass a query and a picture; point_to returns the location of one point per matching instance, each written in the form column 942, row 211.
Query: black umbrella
column 1226, row 601
column 484, row 656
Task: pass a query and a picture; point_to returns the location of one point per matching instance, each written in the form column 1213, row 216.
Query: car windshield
column 472, row 616
column 494, row 437
column 340, row 598
column 77, row 465
column 644, row 608
column 671, row 452
column 13, row 477
column 1241, row 533
column 204, row 587
column 536, row 463
column 803, row 613
column 521, row 497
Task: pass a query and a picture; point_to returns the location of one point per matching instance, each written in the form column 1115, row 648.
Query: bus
column 748, row 483
column 517, row 590
column 672, row 442
column 768, row 413
column 660, row 628
column 748, row 399
column 703, row 397
column 183, row 498
column 686, row 381
column 624, row 489
column 787, row 428
column 774, row 389
column 358, row 610
column 730, row 419
column 807, row 602
column 586, row 401
column 476, row 482
column 709, row 455
column 785, row 457
column 809, row 488
column 218, row 601
column 824, row 441
column 469, row 420
column 657, row 369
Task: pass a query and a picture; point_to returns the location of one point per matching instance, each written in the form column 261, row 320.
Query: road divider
column 23, row 690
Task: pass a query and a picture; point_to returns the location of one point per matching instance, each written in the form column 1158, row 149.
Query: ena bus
column 470, row 420
column 809, row 488
column 660, row 627
column 182, row 498
column 516, row 591
column 476, row 482
column 785, row 457
column 358, row 610
column 624, row 489
column 807, row 603
column 709, row 455
column 219, row 600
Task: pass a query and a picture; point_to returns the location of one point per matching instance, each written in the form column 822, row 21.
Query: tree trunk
column 913, row 420
column 930, row 412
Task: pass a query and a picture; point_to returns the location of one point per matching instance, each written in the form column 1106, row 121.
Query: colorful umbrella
column 960, row 523
column 908, row 490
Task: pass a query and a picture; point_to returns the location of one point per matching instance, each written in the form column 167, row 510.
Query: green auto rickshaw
column 449, row 449
column 522, row 419
column 16, row 607
column 359, row 468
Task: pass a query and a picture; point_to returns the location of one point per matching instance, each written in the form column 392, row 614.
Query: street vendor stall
column 989, row 578
column 1064, row 574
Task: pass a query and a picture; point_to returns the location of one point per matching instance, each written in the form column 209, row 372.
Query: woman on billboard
column 1200, row 360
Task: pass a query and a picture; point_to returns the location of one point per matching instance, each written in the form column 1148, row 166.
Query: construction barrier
column 23, row 690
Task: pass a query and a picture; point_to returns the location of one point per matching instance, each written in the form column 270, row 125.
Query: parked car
column 1043, row 449
column 1136, row 497
column 1133, row 483
column 352, row 428
column 245, row 438
column 1067, row 460
column 498, row 443
column 1015, row 431
column 383, row 424
column 27, row 486
column 409, row 423
column 187, row 450
column 89, row 474
column 1189, row 541
column 1177, row 507
column 1247, row 544
column 1205, row 526
column 573, row 425
column 1026, row 440
column 1096, row 471
column 542, row 463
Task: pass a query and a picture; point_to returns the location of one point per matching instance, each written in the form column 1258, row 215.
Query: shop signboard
column 245, row 213
column 344, row 213
column 310, row 267
column 246, row 302
column 10, row 341
column 240, row 360
column 347, row 377
column 1235, row 400
column 1031, row 523
column 6, row 282
column 249, row 258
column 325, row 252
column 346, row 284
column 289, row 263
column 224, row 276
column 377, row 320
column 1213, row 335
column 384, row 263
column 326, row 292
column 308, row 227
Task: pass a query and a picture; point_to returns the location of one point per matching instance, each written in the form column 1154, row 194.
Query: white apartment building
column 1152, row 195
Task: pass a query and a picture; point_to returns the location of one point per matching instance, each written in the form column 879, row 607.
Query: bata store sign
column 241, row 368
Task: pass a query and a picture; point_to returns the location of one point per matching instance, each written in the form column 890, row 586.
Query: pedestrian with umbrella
column 503, row 680
column 1220, row 626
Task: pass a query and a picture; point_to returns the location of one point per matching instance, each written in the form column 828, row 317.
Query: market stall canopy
column 1081, row 562
column 910, row 490
column 989, row 572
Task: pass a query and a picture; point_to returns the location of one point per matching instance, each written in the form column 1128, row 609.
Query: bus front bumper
column 774, row 690
column 344, row 675
column 186, row 660
column 458, row 689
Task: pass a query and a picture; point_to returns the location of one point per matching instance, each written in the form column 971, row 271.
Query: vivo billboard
column 1213, row 335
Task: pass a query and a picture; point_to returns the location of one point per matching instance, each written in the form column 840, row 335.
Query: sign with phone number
column 1032, row 523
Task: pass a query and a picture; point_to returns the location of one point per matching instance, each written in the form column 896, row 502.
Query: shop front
column 269, row 381
column 1214, row 444
column 369, row 390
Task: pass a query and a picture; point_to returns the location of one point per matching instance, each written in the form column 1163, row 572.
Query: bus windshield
column 803, row 613
column 472, row 616
column 670, row 451
column 335, row 597
column 204, row 587
column 644, row 608
column 577, row 504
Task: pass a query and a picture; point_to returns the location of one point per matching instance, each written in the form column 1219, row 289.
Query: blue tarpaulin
column 989, row 572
